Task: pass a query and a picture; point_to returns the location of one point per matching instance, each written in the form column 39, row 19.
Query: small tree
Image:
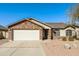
column 74, row 15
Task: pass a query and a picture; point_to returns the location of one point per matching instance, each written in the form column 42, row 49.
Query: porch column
column 49, row 34
column 10, row 35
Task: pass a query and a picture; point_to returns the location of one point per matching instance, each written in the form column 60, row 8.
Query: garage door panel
column 26, row 34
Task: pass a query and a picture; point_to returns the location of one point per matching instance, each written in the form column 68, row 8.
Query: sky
column 44, row 12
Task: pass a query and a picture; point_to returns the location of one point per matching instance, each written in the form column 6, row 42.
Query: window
column 57, row 33
column 68, row 32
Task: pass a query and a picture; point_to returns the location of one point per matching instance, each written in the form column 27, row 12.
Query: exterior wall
column 77, row 32
column 46, row 27
column 7, row 34
column 50, row 34
column 74, row 32
column 25, row 26
column 3, row 34
column 63, row 31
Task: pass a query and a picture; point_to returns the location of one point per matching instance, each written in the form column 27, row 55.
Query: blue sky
column 51, row 12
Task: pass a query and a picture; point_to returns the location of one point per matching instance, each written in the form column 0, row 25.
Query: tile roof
column 57, row 25
column 2, row 27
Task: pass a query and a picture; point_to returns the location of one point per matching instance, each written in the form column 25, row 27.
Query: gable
column 40, row 23
column 25, row 25
column 69, row 28
column 30, row 22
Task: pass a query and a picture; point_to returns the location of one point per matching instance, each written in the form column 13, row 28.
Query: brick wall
column 24, row 26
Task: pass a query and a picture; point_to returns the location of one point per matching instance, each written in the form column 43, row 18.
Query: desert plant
column 64, row 39
column 77, row 38
column 74, row 36
column 70, row 38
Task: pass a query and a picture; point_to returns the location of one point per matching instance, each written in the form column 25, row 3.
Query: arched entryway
column 68, row 32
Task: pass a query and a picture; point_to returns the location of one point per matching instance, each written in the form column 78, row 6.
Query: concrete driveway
column 22, row 48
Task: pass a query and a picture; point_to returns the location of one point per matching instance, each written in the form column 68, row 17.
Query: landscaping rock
column 74, row 46
column 67, row 46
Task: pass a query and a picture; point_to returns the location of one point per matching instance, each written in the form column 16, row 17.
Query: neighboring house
column 29, row 29
column 3, row 32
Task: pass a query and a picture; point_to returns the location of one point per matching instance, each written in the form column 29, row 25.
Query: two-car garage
column 26, row 35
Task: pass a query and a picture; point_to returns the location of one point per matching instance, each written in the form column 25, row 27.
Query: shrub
column 71, row 38
column 64, row 39
column 77, row 38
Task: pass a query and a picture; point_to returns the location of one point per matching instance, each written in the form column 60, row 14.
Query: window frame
column 68, row 32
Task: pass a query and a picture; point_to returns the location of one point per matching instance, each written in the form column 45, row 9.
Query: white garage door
column 26, row 35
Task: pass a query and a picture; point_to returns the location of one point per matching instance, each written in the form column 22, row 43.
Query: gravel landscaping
column 56, row 48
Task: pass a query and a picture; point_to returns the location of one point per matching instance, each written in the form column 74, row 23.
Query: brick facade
column 50, row 34
column 27, row 25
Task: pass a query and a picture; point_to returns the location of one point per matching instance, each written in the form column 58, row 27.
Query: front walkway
column 22, row 48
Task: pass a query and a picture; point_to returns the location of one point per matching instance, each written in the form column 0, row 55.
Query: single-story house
column 31, row 29
column 3, row 32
